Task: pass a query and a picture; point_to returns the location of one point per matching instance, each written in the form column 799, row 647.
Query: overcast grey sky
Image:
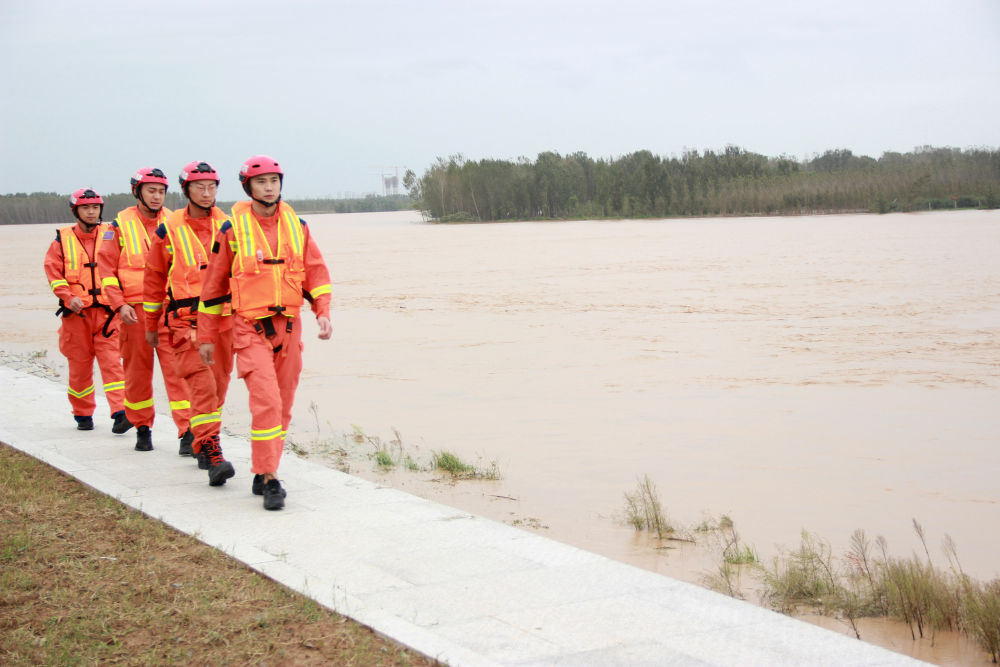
column 339, row 91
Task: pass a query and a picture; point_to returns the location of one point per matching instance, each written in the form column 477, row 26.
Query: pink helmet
column 147, row 175
column 257, row 165
column 84, row 196
column 197, row 171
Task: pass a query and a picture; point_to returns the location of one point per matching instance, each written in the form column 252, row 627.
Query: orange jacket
column 267, row 265
column 71, row 266
column 122, row 264
column 176, row 262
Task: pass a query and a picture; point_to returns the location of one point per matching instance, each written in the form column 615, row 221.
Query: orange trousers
column 81, row 341
column 207, row 385
column 137, row 360
column 270, row 367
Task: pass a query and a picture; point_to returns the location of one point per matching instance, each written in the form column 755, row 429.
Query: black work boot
column 185, row 445
column 219, row 469
column 143, row 439
column 84, row 423
column 122, row 424
column 257, row 486
column 274, row 495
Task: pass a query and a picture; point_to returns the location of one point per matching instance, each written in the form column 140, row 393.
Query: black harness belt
column 265, row 326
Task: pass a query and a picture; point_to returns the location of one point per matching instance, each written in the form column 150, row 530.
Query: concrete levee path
column 453, row 586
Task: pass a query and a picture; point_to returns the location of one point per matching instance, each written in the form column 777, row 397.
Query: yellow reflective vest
column 134, row 241
column 79, row 269
column 265, row 283
column 189, row 259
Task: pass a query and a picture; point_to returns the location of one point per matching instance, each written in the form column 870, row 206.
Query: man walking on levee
column 266, row 259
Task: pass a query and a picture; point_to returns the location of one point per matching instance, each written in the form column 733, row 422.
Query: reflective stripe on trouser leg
column 288, row 367
column 137, row 362
column 80, row 393
column 201, row 422
column 205, row 420
column 109, row 361
column 177, row 389
column 181, row 413
column 260, row 435
column 81, row 400
column 134, row 408
column 77, row 346
column 271, row 380
column 266, row 446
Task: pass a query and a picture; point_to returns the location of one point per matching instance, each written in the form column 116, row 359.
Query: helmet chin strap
column 266, row 204
column 203, row 208
column 88, row 226
column 149, row 208
column 206, row 209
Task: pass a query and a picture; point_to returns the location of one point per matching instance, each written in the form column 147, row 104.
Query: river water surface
column 823, row 373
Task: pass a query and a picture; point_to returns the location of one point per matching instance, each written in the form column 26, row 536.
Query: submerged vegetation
column 865, row 582
column 643, row 509
column 389, row 454
column 868, row 582
column 459, row 469
column 729, row 182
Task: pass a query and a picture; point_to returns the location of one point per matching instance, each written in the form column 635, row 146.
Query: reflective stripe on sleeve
column 321, row 290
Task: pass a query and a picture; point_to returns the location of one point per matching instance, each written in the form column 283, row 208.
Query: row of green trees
column 48, row 207
column 367, row 204
column 729, row 182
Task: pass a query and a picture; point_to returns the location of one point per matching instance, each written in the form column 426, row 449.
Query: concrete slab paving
column 449, row 584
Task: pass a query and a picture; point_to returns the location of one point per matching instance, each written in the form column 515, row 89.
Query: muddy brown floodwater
column 825, row 373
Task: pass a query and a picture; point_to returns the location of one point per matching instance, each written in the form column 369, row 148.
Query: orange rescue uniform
column 71, row 267
column 122, row 262
column 175, row 266
column 268, row 265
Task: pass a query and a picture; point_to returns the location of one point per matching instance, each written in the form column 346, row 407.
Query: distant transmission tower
column 389, row 180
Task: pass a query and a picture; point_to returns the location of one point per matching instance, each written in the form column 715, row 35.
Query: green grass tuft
column 449, row 462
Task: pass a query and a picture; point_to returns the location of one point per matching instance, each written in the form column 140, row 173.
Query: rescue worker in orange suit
column 88, row 327
column 175, row 266
column 122, row 263
column 267, row 261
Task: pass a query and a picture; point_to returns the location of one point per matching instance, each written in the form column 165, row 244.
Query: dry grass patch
column 87, row 580
column 644, row 511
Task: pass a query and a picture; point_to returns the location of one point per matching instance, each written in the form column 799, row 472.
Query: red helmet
column 257, row 165
column 147, row 175
column 84, row 196
column 197, row 171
